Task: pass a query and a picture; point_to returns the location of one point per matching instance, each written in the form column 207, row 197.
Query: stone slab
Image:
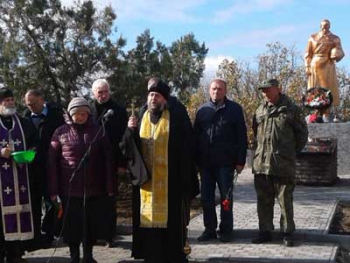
column 341, row 131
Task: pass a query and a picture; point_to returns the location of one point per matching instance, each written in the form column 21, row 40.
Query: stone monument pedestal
column 341, row 132
column 317, row 163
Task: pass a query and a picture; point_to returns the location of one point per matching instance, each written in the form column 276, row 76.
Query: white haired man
column 115, row 128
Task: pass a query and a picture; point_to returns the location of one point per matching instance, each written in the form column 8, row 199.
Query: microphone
column 110, row 112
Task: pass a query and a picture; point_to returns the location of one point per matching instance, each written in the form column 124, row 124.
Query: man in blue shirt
column 46, row 117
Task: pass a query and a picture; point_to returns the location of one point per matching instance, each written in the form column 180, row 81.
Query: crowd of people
column 81, row 150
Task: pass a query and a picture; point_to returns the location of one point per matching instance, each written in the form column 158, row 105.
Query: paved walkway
column 314, row 209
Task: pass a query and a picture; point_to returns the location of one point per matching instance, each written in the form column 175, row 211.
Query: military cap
column 269, row 83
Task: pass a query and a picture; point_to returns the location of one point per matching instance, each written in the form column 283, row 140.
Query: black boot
column 288, row 240
column 207, row 235
column 264, row 236
column 14, row 253
column 88, row 258
column 74, row 253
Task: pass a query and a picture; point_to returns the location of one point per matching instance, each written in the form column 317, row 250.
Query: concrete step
column 308, row 248
column 244, row 251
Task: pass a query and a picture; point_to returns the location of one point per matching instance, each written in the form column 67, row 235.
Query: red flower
column 226, row 204
column 317, row 98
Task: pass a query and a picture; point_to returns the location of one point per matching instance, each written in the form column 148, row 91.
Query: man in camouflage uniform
column 281, row 132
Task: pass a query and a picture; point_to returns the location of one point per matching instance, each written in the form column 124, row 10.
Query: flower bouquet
column 317, row 98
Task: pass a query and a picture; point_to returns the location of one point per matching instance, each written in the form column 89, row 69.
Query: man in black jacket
column 46, row 117
column 221, row 147
column 115, row 126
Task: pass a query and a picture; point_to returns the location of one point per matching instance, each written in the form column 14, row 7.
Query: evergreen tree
column 60, row 49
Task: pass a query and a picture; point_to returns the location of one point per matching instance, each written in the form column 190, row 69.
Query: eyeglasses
column 31, row 104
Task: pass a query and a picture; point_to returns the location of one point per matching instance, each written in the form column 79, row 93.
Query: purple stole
column 16, row 206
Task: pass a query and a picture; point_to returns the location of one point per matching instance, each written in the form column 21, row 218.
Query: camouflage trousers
column 269, row 187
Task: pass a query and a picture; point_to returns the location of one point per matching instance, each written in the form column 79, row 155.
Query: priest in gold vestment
column 161, row 205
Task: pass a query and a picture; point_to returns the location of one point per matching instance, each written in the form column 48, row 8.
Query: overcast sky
column 232, row 29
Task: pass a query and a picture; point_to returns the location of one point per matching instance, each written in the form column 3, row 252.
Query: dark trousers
column 36, row 243
column 111, row 213
column 156, row 247
column 269, row 187
column 223, row 177
column 12, row 250
column 48, row 221
column 85, row 224
column 75, row 252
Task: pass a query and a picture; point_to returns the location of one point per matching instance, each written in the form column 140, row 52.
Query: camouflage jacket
column 281, row 132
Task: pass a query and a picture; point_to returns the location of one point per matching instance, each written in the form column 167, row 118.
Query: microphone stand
column 84, row 161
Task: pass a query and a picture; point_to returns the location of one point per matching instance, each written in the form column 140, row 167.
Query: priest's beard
column 155, row 108
column 7, row 111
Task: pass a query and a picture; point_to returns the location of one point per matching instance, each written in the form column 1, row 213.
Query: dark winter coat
column 115, row 125
column 182, row 186
column 221, row 135
column 46, row 127
column 68, row 146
